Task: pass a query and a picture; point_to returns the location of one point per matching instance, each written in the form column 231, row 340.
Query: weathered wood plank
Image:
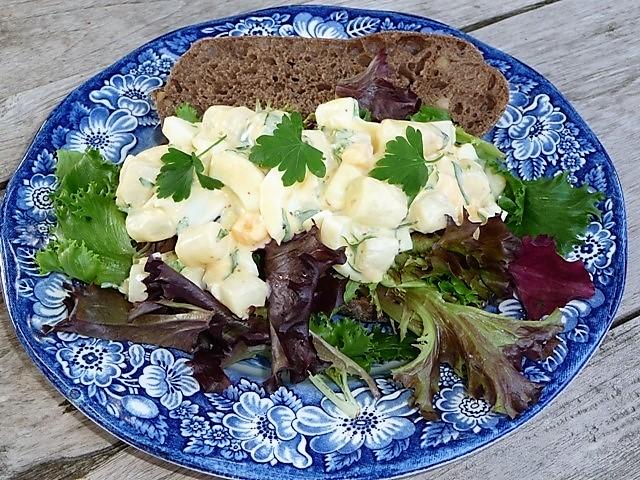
column 599, row 72
column 605, row 65
column 81, row 41
column 37, row 425
column 591, row 431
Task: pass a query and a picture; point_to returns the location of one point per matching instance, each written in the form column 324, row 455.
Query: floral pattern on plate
column 147, row 395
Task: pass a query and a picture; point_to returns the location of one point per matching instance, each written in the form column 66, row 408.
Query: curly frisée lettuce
column 90, row 240
column 484, row 348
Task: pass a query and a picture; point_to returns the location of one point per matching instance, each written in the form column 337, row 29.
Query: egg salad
column 218, row 230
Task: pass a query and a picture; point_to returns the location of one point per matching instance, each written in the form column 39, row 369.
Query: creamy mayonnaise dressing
column 218, row 230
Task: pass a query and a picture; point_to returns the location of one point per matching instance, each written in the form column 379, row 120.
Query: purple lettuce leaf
column 377, row 94
column 293, row 270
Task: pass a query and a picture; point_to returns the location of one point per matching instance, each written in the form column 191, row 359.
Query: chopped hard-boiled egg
column 179, row 132
column 137, row 177
column 375, row 203
column 243, row 177
column 203, row 244
column 217, row 230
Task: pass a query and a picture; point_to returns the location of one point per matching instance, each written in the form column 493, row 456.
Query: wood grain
column 595, row 61
column 37, row 425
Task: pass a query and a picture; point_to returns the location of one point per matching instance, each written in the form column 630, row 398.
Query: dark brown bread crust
column 301, row 73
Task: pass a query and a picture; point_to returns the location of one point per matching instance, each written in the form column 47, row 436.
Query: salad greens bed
column 432, row 307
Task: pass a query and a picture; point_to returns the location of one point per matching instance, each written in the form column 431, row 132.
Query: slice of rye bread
column 300, row 73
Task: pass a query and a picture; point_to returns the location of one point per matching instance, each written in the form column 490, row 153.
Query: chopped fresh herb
column 234, row 262
column 304, row 215
column 286, row 150
column 457, row 171
column 403, row 163
column 223, row 232
column 145, row 182
column 187, row 112
column 286, row 225
column 364, row 114
column 176, row 175
column 430, row 113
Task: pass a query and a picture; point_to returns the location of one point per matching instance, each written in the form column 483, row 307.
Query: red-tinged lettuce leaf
column 210, row 352
column 329, row 294
column 224, row 343
column 293, row 270
column 484, row 348
column 161, row 246
column 477, row 254
column 214, row 341
column 164, row 283
column 377, row 94
column 544, row 280
column 104, row 313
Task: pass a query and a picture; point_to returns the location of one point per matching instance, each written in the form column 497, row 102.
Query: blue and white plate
column 146, row 395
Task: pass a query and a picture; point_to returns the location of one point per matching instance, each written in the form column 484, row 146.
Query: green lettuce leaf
column 550, row 206
column 90, row 238
column 546, row 206
column 365, row 347
column 77, row 170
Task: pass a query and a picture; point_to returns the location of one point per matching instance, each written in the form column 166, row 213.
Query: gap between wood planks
column 70, row 467
column 513, row 13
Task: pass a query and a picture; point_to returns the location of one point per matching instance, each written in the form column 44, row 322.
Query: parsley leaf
column 286, row 150
column 550, row 206
column 176, row 175
column 187, row 112
column 430, row 113
column 546, row 206
column 365, row 347
column 404, row 163
column 209, row 183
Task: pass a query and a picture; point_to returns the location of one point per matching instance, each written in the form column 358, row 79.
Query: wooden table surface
column 590, row 49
